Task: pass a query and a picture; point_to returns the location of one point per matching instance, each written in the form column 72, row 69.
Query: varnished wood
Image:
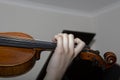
column 15, row 61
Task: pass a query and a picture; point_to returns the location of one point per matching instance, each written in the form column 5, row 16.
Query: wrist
column 52, row 76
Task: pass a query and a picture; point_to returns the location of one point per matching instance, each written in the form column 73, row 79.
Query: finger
column 79, row 47
column 55, row 37
column 59, row 40
column 71, row 44
column 65, row 42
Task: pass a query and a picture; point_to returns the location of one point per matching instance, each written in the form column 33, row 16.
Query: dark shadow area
column 113, row 73
column 86, row 70
column 83, row 70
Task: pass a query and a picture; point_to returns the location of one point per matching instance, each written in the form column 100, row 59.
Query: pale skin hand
column 63, row 55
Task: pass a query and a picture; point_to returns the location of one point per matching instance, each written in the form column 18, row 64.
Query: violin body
column 18, row 59
column 15, row 61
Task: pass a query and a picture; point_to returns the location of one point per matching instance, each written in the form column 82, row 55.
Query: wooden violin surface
column 15, row 61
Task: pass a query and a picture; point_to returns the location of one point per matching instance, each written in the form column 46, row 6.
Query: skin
column 63, row 55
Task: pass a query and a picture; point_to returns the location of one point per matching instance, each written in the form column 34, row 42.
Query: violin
column 19, row 52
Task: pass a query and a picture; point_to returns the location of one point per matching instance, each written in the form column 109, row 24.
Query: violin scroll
column 110, row 58
column 93, row 56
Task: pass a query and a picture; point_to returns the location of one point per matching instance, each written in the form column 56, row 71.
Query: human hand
column 63, row 55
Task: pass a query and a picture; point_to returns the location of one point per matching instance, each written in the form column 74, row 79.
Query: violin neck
column 25, row 43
